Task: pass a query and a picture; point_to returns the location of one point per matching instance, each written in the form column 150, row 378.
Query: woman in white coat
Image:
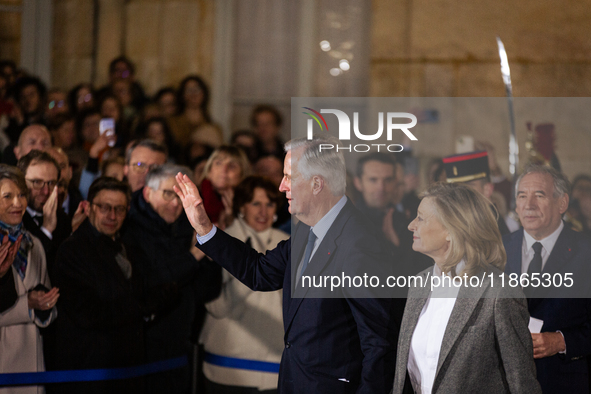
column 23, row 258
column 243, row 325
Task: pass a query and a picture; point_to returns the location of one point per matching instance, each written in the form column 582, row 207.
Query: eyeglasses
column 56, row 103
column 40, row 183
column 142, row 168
column 168, row 195
column 105, row 209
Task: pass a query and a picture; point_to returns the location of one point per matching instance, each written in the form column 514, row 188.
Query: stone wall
column 447, row 48
column 10, row 32
column 166, row 39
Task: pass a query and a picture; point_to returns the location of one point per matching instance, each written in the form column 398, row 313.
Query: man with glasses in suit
column 101, row 317
column 44, row 218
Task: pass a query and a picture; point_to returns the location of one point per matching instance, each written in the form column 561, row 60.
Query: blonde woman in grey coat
column 465, row 339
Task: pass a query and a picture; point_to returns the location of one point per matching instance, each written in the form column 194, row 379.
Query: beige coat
column 21, row 347
column 245, row 324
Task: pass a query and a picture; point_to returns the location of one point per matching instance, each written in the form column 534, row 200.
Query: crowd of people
column 100, row 268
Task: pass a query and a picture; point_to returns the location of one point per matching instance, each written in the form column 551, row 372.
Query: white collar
column 547, row 243
column 321, row 228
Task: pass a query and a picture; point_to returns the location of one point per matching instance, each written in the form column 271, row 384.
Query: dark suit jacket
column 50, row 246
column 561, row 373
column 336, row 345
column 8, row 295
column 100, row 322
column 486, row 347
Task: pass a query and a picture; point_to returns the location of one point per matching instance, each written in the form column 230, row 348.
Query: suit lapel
column 324, row 253
column 557, row 261
column 417, row 298
column 467, row 300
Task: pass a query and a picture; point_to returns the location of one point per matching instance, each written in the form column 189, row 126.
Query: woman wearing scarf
column 21, row 348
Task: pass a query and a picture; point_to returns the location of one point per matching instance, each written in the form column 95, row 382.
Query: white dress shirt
column 428, row 335
column 322, row 227
column 527, row 251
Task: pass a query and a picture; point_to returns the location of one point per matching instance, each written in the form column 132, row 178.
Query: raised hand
column 8, row 252
column 80, row 215
column 50, row 211
column 193, row 204
column 101, row 144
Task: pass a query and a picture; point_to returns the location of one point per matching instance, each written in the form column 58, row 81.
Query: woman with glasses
column 22, row 263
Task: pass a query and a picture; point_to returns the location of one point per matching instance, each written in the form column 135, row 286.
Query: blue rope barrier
column 90, row 375
column 240, row 363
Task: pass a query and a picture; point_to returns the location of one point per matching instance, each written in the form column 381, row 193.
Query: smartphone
column 107, row 125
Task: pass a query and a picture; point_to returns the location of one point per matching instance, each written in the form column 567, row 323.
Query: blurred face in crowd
column 41, row 178
column 540, row 212
column 57, row 103
column 65, row 136
column 429, row 236
column 107, row 211
column 33, row 137
column 121, row 71
column 266, row 126
column 90, row 128
column 84, row 98
column 30, row 99
column 167, row 104
column 65, row 172
column 481, row 186
column 165, row 201
column 581, row 189
column 142, row 159
column 193, row 94
column 259, row 212
column 225, row 172
column 270, row 167
column 156, row 133
column 115, row 170
column 13, row 203
column 377, row 184
column 110, row 109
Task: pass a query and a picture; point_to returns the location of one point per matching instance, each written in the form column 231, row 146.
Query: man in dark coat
column 159, row 239
column 547, row 250
column 332, row 345
column 100, row 316
column 377, row 181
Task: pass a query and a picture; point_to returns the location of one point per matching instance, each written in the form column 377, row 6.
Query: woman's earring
column 241, row 215
column 274, row 218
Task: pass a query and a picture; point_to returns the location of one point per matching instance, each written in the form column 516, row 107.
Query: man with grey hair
column 332, row 345
column 159, row 242
column 546, row 248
